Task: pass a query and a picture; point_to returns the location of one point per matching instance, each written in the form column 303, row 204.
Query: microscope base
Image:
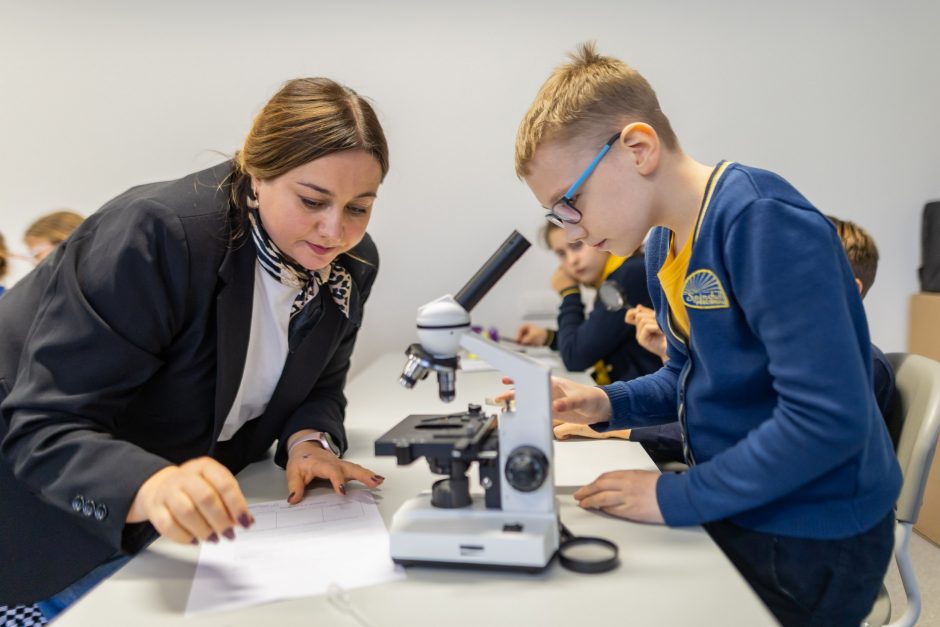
column 472, row 536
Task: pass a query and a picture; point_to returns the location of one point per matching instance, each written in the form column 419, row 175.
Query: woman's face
column 320, row 209
column 39, row 247
column 584, row 263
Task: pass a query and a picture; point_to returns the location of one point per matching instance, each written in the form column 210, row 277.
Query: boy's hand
column 532, row 335
column 197, row 500
column 648, row 333
column 561, row 280
column 572, row 402
column 627, row 494
column 309, row 461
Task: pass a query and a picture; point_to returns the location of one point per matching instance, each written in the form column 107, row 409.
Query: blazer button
column 88, row 509
column 78, row 503
column 101, row 512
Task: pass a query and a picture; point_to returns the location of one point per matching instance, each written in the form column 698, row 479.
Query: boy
column 791, row 469
column 862, row 254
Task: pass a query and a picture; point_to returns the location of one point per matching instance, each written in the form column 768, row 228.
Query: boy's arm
column 648, row 400
column 787, row 271
column 582, row 342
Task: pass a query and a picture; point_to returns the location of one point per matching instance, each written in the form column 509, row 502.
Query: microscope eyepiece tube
column 492, row 271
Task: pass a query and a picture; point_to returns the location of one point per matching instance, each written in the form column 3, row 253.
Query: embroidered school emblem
column 703, row 290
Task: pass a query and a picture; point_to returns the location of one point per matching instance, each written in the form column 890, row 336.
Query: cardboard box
column 924, row 339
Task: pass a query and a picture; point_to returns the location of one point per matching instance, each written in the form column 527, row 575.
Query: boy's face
column 584, row 264
column 615, row 201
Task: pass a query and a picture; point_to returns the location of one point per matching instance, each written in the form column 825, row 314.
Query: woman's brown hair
column 54, row 227
column 306, row 119
column 4, row 253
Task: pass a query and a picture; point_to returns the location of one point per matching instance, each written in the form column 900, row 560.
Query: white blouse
column 267, row 351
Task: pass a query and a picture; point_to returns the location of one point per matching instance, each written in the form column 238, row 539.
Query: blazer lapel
column 233, row 322
column 304, row 363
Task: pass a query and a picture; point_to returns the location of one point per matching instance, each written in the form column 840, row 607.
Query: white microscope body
column 522, row 533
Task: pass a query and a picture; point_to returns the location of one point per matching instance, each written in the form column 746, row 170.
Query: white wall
column 842, row 98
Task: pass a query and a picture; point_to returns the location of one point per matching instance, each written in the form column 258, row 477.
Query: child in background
column 791, row 469
column 4, row 263
column 49, row 231
column 863, row 257
column 600, row 340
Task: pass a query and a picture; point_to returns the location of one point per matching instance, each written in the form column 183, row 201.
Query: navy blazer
column 604, row 335
column 122, row 353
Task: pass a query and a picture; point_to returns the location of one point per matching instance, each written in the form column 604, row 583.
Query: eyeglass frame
column 567, row 199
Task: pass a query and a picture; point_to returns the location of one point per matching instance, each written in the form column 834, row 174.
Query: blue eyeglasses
column 564, row 212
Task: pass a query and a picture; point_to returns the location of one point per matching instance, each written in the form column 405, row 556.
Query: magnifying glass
column 612, row 296
column 587, row 554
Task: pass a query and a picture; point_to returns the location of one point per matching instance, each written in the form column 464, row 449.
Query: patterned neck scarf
column 292, row 274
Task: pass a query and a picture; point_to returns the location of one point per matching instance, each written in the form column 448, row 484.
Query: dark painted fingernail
column 194, row 541
column 342, row 489
column 379, row 477
column 290, row 496
column 245, row 521
column 229, row 533
column 214, row 539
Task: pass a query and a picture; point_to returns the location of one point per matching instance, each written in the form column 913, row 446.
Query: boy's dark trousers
column 811, row 582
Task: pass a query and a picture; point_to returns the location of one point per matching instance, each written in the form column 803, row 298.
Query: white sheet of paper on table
column 579, row 462
column 295, row 551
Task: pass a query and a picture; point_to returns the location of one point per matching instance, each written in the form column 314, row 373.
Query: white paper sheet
column 579, row 462
column 295, row 551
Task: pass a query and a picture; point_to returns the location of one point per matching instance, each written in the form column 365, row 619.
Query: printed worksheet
column 294, row 551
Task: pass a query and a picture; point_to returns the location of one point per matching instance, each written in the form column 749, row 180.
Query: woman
column 176, row 335
column 49, row 231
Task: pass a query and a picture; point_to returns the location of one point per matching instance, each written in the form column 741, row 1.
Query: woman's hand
column 572, row 402
column 627, row 494
column 532, row 335
column 561, row 280
column 198, row 500
column 648, row 333
column 308, row 461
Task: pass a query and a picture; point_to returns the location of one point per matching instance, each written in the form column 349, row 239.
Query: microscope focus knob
column 527, row 468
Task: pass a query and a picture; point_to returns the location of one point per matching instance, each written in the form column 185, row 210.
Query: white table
column 666, row 577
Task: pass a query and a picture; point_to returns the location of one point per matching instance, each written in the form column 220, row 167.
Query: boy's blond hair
column 591, row 96
column 860, row 249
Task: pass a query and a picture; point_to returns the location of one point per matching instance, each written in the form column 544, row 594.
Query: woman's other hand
column 309, row 460
column 197, row 500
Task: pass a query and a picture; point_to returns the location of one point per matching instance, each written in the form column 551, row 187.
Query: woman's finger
column 335, row 476
column 163, row 521
column 296, row 483
column 209, row 505
column 187, row 516
column 226, row 485
column 364, row 475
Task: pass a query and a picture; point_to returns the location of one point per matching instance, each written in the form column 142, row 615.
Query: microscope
column 514, row 524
